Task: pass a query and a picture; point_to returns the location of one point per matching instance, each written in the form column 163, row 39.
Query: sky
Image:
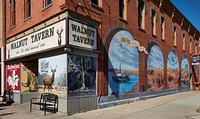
column 190, row 9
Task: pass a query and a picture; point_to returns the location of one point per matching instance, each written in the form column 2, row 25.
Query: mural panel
column 29, row 77
column 123, row 65
column 155, row 69
column 13, row 77
column 81, row 75
column 172, row 70
column 185, row 72
column 53, row 75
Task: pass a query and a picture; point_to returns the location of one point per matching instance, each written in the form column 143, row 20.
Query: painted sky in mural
column 184, row 72
column 172, row 70
column 155, row 69
column 52, row 75
column 123, row 65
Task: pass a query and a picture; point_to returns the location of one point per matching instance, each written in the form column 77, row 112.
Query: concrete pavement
column 183, row 105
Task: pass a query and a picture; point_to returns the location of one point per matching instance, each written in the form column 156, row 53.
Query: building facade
column 95, row 53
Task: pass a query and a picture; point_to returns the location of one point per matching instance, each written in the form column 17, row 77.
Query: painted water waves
column 185, row 72
column 81, row 75
column 155, row 69
column 172, row 71
column 123, row 66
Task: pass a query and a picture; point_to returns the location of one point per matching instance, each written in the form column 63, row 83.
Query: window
column 27, row 11
column 47, row 3
column 162, row 28
column 190, row 46
column 153, row 21
column 96, row 2
column 174, row 35
column 196, row 48
column 13, row 13
column 123, row 9
column 141, row 14
column 184, row 37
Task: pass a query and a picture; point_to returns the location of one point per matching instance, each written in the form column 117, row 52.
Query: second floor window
column 174, row 35
column 190, row 46
column 184, row 37
column 162, row 28
column 141, row 14
column 153, row 21
column 96, row 2
column 47, row 3
column 27, row 10
column 13, row 13
column 121, row 8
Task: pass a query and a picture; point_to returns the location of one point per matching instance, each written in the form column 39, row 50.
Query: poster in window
column 13, row 77
column 81, row 75
column 52, row 75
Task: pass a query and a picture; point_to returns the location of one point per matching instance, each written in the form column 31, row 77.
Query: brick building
column 92, row 53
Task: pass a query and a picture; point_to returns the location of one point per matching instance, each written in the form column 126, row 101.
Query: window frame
column 12, row 13
column 46, row 4
column 27, row 9
column 153, row 21
column 141, row 14
column 162, row 27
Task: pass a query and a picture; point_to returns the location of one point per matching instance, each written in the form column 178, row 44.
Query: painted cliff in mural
column 172, row 70
column 123, row 65
column 155, row 69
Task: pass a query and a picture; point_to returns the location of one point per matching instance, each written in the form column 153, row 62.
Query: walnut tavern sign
column 50, row 37
column 82, row 35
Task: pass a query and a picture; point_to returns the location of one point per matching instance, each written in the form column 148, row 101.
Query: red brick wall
column 37, row 15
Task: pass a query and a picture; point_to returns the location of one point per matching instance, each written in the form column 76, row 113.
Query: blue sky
column 190, row 9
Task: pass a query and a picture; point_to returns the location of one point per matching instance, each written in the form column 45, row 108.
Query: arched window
column 153, row 21
column 162, row 19
column 184, row 37
column 196, row 47
column 141, row 14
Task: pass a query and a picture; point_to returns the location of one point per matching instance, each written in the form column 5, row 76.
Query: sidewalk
column 184, row 105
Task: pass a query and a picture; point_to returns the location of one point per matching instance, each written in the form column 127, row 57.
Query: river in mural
column 172, row 70
column 123, row 65
column 155, row 69
column 184, row 72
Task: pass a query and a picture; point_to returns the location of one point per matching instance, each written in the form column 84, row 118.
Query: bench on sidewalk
column 7, row 97
column 47, row 102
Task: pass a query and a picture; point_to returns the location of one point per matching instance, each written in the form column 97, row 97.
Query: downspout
column 3, row 47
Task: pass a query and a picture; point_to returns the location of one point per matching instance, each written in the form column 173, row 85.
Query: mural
column 29, row 77
column 13, row 77
column 172, row 70
column 185, row 72
column 155, row 69
column 81, row 75
column 52, row 75
column 123, row 65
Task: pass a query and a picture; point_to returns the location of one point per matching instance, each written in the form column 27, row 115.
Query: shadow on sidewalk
column 5, row 114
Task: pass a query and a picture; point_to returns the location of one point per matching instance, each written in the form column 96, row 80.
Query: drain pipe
column 3, row 47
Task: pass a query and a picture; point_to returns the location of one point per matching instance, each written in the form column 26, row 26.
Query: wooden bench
column 47, row 102
column 7, row 97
